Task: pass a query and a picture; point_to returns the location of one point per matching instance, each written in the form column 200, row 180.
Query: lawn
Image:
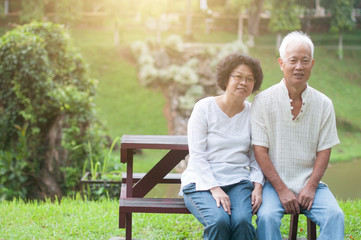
column 78, row 219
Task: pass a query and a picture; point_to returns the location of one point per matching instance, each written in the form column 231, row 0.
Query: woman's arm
column 197, row 144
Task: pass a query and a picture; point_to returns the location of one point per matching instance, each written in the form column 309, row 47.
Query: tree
column 6, row 6
column 254, row 18
column 153, row 11
column 240, row 7
column 284, row 18
column 308, row 12
column 47, row 113
column 117, row 11
column 32, row 10
column 341, row 19
column 67, row 11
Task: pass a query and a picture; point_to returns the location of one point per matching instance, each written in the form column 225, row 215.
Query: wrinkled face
column 297, row 64
column 241, row 81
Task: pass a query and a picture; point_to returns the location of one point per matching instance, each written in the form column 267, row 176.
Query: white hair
column 295, row 37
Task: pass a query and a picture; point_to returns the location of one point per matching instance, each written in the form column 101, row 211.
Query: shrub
column 45, row 94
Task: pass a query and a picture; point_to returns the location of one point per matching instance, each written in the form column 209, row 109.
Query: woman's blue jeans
column 325, row 212
column 217, row 223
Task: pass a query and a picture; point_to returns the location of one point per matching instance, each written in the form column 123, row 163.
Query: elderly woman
column 222, row 185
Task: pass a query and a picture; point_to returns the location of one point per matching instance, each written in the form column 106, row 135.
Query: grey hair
column 298, row 37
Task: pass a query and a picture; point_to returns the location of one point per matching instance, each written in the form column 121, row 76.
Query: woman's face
column 241, row 81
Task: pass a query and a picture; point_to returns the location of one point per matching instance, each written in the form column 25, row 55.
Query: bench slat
column 169, row 178
column 152, row 205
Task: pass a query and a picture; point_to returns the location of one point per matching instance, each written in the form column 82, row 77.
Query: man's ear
column 280, row 62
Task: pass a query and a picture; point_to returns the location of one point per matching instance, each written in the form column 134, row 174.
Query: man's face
column 297, row 64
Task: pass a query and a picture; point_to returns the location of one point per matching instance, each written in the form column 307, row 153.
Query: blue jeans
column 325, row 212
column 217, row 223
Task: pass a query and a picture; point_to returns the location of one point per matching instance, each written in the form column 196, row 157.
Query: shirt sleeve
column 258, row 124
column 328, row 133
column 256, row 172
column 197, row 144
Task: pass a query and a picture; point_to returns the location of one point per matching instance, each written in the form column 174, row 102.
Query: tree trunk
column 240, row 26
column 254, row 19
column 189, row 19
column 318, row 9
column 278, row 40
column 50, row 174
column 116, row 35
column 340, row 46
column 307, row 21
column 6, row 7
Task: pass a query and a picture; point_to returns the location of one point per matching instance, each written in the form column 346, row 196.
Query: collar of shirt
column 284, row 97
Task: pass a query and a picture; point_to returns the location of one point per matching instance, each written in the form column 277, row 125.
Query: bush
column 46, row 110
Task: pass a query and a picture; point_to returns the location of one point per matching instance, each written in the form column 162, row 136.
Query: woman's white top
column 220, row 151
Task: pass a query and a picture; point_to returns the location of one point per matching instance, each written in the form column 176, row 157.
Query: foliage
column 174, row 64
column 2, row 10
column 81, row 219
column 67, row 11
column 341, row 19
column 238, row 6
column 13, row 170
column 284, row 16
column 94, row 165
column 32, row 10
column 44, row 86
column 174, row 42
column 194, row 93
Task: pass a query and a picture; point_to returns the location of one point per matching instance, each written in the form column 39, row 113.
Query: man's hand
column 305, row 197
column 289, row 201
column 256, row 197
column 221, row 199
column 307, row 194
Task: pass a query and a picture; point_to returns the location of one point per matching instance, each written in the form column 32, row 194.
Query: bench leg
column 128, row 226
column 121, row 220
column 311, row 230
column 293, row 227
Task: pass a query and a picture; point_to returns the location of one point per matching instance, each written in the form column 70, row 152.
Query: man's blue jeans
column 325, row 212
column 217, row 223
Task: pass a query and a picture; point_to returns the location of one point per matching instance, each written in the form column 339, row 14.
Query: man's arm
column 307, row 194
column 287, row 197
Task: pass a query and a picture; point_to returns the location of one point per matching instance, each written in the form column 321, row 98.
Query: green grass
column 124, row 106
column 78, row 219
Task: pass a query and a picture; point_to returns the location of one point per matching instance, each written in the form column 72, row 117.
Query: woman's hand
column 256, row 197
column 221, row 199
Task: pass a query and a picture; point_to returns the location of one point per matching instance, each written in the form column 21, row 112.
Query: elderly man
column 293, row 131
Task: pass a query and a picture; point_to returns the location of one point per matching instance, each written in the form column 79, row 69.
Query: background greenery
column 47, row 113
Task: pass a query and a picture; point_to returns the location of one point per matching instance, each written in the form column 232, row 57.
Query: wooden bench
column 136, row 185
